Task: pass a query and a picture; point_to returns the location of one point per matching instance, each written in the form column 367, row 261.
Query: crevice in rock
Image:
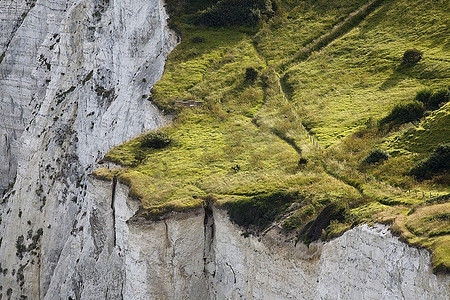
column 166, row 234
column 209, row 265
column 209, row 226
column 113, row 207
column 31, row 4
column 232, row 270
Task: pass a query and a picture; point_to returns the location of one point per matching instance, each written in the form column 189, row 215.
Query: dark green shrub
column 235, row 12
column 424, row 95
column 236, row 168
column 302, row 161
column 376, row 156
column 432, row 100
column 260, row 210
column 404, row 113
column 437, row 162
column 412, row 56
column 155, row 140
column 198, row 40
column 251, row 74
column 439, row 97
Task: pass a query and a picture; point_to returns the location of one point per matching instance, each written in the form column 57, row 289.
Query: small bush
column 302, row 161
column 439, row 97
column 424, row 95
column 412, row 56
column 236, row 168
column 251, row 74
column 156, row 140
column 404, row 113
column 198, row 40
column 437, row 162
column 376, row 156
column 432, row 100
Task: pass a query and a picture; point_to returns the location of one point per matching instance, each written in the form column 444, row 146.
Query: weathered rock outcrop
column 201, row 254
column 365, row 263
column 74, row 81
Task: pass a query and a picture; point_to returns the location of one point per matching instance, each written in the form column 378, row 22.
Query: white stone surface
column 165, row 259
column 72, row 83
column 365, row 263
column 186, row 256
column 267, row 268
column 370, row 263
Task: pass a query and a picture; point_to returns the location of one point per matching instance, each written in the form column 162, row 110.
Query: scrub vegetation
column 315, row 116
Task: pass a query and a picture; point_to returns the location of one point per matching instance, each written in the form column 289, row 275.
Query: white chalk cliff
column 74, row 80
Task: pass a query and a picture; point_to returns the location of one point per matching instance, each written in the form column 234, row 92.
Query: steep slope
column 201, row 254
column 73, row 78
column 288, row 140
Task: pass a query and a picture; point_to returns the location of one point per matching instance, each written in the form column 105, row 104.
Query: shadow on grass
column 400, row 73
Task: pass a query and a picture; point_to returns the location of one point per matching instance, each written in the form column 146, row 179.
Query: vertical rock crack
column 209, row 267
column 114, row 186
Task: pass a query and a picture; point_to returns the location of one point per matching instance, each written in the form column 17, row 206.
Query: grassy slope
column 299, row 24
column 359, row 76
column 336, row 93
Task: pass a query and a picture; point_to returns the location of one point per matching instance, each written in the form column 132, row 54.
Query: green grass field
column 289, row 146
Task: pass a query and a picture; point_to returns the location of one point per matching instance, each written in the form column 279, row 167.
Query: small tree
column 156, row 140
column 412, row 56
column 376, row 156
column 404, row 113
column 251, row 74
column 437, row 162
column 432, row 100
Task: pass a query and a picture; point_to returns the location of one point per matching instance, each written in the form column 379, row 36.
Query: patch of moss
column 104, row 174
column 441, row 254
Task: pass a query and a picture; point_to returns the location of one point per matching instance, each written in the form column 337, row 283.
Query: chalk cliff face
column 74, row 79
column 365, row 263
column 78, row 67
